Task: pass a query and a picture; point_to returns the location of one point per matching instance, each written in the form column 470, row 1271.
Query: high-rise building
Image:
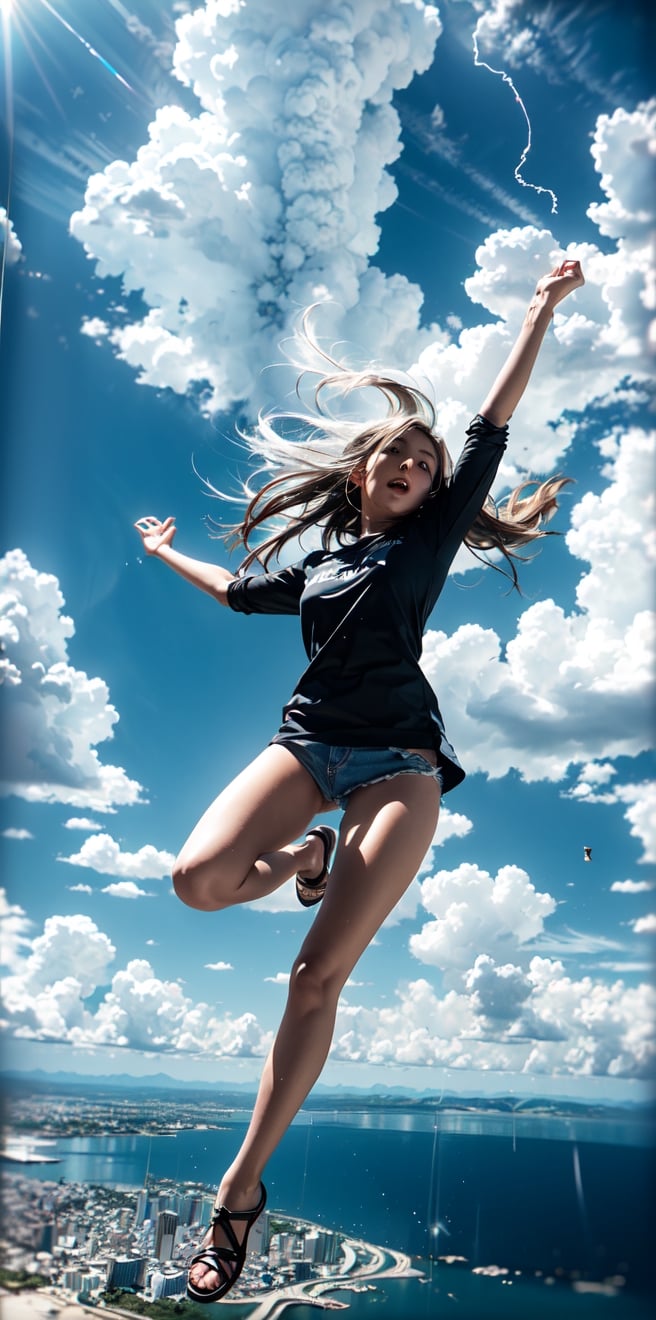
column 47, row 1237
column 259, row 1236
column 125, row 1271
column 141, row 1208
column 320, row 1247
column 190, row 1209
column 287, row 1245
column 167, row 1222
column 168, row 1283
column 81, row 1280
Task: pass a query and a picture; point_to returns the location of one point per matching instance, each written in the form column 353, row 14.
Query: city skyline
column 184, row 182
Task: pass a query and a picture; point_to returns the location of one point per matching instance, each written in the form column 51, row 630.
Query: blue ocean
column 564, row 1206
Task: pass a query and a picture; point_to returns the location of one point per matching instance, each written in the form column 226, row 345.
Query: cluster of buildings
column 93, row 1112
column 88, row 1240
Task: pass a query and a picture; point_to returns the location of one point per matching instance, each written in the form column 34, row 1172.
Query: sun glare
column 6, row 7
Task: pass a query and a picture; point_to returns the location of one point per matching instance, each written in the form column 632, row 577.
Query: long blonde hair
column 312, row 487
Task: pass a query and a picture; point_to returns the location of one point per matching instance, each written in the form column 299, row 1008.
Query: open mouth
column 398, row 484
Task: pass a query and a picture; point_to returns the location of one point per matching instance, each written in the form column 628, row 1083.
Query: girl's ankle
column 236, row 1194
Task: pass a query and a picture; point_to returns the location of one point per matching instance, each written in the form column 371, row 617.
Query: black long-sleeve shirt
column 363, row 611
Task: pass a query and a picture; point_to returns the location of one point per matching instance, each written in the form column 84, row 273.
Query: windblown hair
column 312, row 485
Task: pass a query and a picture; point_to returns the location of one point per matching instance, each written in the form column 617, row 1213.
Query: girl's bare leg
column 386, row 831
column 241, row 847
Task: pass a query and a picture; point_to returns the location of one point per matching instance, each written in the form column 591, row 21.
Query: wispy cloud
column 572, row 943
column 434, row 140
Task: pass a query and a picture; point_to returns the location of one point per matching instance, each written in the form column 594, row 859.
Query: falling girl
column 363, row 730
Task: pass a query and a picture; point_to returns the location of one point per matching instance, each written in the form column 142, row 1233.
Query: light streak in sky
column 10, row 9
column 501, row 73
column 87, row 45
column 5, row 14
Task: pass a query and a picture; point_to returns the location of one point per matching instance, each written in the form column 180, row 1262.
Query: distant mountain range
column 372, row 1095
column 163, row 1082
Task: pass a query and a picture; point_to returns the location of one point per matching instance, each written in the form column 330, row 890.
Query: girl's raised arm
column 514, row 376
column 157, row 536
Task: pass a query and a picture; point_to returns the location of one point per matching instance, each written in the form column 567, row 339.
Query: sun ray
column 87, row 45
column 26, row 25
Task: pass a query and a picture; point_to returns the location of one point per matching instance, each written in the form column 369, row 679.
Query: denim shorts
column 338, row 771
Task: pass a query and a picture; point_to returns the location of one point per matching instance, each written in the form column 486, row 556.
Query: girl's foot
column 219, row 1262
column 311, row 889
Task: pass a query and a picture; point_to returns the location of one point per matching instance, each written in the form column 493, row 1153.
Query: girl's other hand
column 155, row 533
column 560, row 281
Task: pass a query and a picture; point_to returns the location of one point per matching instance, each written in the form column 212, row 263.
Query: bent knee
column 196, row 885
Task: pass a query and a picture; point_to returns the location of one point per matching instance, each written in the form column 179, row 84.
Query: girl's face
column 396, row 479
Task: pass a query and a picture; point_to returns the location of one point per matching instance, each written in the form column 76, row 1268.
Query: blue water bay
column 554, row 1202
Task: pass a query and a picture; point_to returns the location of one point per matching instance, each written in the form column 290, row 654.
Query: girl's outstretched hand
column 560, row 281
column 154, row 533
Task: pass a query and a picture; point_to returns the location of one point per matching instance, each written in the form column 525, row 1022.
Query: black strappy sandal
column 234, row 1255
column 309, row 892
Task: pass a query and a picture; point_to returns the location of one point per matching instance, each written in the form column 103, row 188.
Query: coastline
column 381, row 1263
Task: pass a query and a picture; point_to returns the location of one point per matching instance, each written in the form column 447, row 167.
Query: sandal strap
column 213, row 1256
column 225, row 1218
column 328, row 837
column 222, row 1217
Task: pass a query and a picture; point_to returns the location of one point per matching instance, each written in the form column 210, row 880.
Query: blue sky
column 175, row 197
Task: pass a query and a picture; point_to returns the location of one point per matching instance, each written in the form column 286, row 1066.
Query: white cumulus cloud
column 95, row 328
column 645, row 925
column 103, row 854
column 44, row 997
column 9, row 239
column 640, row 800
column 55, row 976
column 54, row 715
column 631, row 886
column 470, row 909
column 502, row 1016
column 126, row 889
column 573, row 687
column 231, row 220
column 12, row 832
column 14, row 932
column 536, row 1020
column 603, row 334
